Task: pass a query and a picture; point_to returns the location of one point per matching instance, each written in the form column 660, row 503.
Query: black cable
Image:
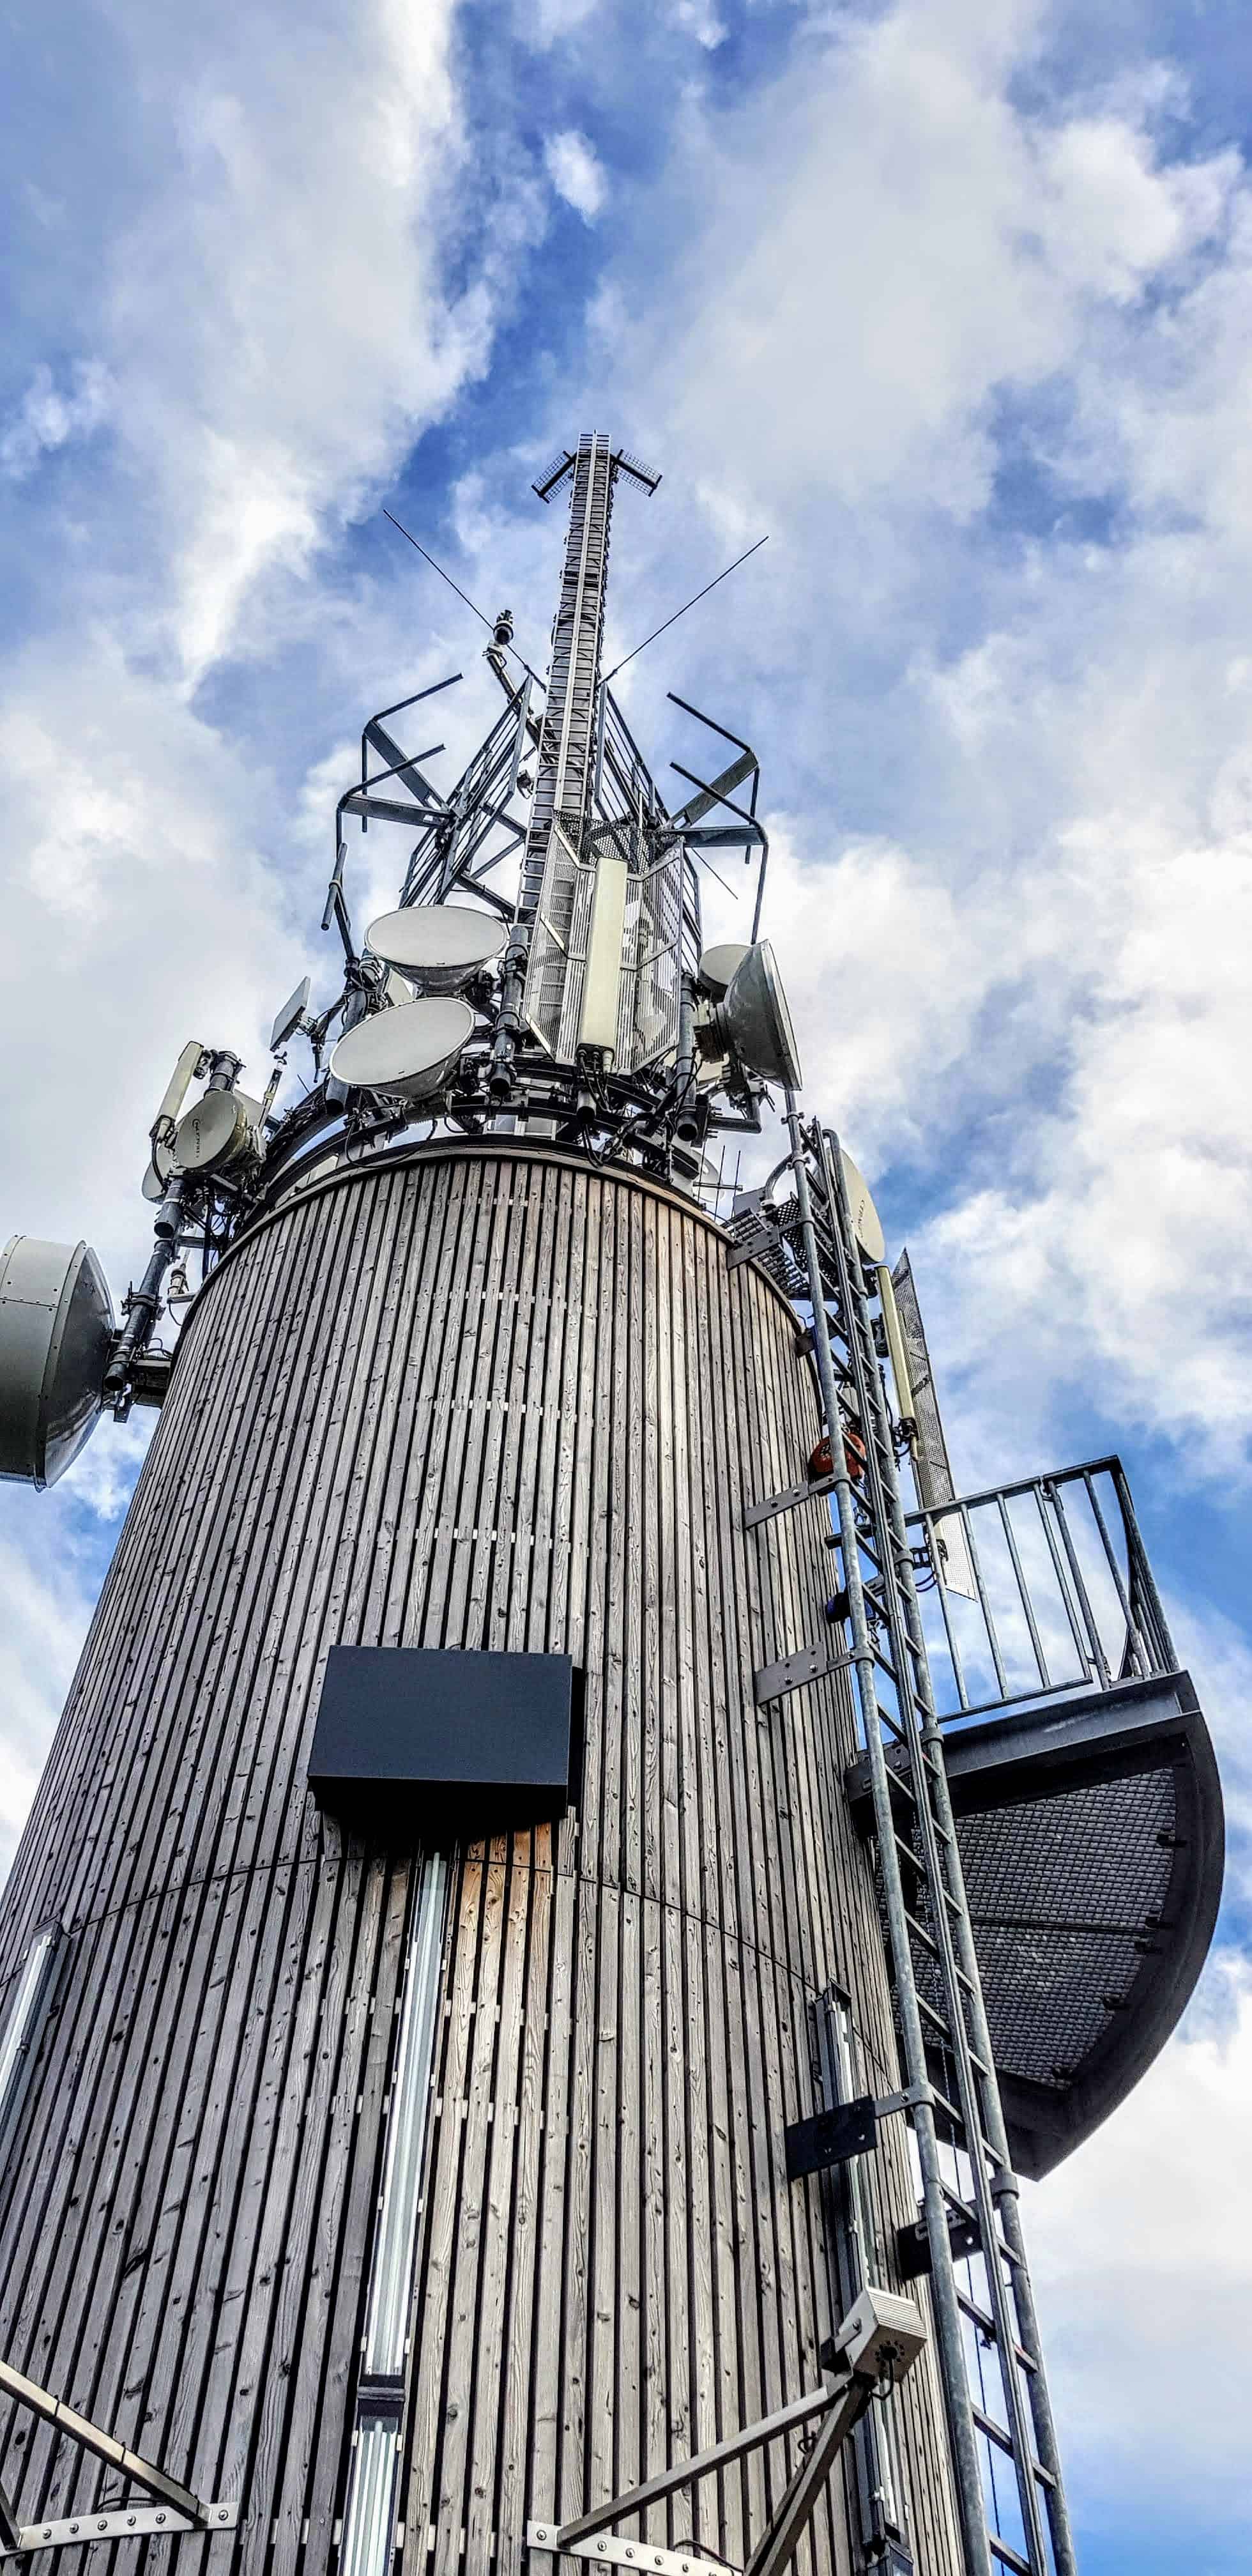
column 488, row 622
column 679, row 612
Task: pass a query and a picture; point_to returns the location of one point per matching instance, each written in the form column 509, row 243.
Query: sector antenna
column 563, row 1899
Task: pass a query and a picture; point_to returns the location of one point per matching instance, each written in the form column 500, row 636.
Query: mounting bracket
column 879, row 2340
column 174, row 2509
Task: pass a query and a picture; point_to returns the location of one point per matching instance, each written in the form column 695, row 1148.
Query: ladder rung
column 1004, row 2441
column 986, row 2325
column 970, row 2215
column 920, row 1930
column 1010, row 2557
column 960, row 2121
column 994, row 2432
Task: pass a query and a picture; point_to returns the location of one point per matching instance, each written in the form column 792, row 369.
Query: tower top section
column 567, row 734
column 566, row 460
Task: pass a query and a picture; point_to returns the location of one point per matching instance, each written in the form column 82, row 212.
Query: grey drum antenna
column 56, row 1329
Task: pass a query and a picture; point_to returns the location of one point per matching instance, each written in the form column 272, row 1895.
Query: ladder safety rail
column 985, row 2143
column 949, row 2019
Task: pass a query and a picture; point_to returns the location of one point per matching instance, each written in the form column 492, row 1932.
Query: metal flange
column 607, row 2552
column 135, row 2522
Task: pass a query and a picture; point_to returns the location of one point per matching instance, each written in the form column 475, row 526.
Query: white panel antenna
column 931, row 1467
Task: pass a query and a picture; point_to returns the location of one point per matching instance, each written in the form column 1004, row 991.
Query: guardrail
column 1037, row 1590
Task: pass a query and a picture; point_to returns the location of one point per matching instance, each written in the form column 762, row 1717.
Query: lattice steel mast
column 567, row 736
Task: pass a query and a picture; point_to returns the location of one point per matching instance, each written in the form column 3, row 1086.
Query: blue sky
column 954, row 299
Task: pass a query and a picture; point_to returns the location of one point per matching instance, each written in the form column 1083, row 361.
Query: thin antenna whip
column 488, row 622
column 679, row 612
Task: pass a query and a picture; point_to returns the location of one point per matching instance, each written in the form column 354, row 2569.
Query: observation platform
column 1085, row 1791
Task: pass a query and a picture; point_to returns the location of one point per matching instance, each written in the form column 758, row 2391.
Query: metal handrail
column 1125, row 1638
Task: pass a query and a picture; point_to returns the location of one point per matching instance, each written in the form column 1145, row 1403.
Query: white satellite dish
column 407, row 1051
column 220, row 1131
column 441, row 946
column 866, row 1225
column 719, row 966
column 56, row 1331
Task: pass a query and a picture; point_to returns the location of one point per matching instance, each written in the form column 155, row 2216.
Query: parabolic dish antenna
column 406, row 1051
column 56, row 1329
column 441, row 945
column 866, row 1225
column 217, row 1132
column 719, row 966
column 756, row 1022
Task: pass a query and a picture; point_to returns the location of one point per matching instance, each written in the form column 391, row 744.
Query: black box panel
column 418, row 1744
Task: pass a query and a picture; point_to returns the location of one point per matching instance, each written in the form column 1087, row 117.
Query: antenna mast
column 567, row 734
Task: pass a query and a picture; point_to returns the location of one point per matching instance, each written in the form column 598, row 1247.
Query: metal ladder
column 991, row 2366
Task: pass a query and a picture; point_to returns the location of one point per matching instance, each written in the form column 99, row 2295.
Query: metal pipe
column 1139, row 1556
column 1094, row 1641
column 1045, row 1506
column 971, row 1550
column 1132, row 1633
column 1111, row 1466
column 145, row 1300
column 1041, row 1660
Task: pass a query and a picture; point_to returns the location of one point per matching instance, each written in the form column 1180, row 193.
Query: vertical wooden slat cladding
column 479, row 1396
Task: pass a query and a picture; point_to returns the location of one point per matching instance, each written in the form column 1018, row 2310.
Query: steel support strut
column 878, row 2342
column 174, row 2508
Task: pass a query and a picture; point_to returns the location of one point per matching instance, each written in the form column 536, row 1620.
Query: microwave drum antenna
column 56, row 1331
column 754, row 1022
column 719, row 966
column 218, row 1132
column 408, row 1051
column 866, row 1222
column 441, row 946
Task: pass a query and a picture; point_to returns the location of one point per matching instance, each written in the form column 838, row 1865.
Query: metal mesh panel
column 648, row 1005
column 1061, row 1890
column 558, row 946
column 647, row 1028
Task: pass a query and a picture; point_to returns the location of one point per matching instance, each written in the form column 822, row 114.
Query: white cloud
column 576, row 174
column 277, row 316
column 1141, row 2249
column 699, row 18
column 46, row 1615
column 48, row 417
column 1219, row 1658
column 924, row 286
